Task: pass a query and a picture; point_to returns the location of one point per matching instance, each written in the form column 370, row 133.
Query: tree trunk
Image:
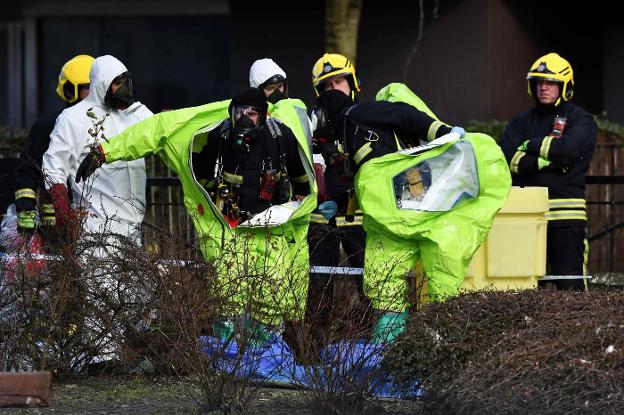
column 342, row 19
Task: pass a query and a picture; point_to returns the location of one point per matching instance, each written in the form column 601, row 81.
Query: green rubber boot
column 223, row 329
column 257, row 333
column 388, row 326
column 245, row 330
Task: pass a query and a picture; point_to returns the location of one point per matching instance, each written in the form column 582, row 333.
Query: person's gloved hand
column 524, row 146
column 459, row 130
column 542, row 163
column 328, row 209
column 60, row 200
column 94, row 159
column 47, row 215
column 26, row 220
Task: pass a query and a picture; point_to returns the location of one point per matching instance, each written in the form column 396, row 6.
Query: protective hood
column 278, row 252
column 104, row 70
column 116, row 191
column 262, row 70
column 431, row 205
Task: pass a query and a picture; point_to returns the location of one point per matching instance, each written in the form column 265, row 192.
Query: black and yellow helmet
column 331, row 64
column 552, row 67
column 74, row 73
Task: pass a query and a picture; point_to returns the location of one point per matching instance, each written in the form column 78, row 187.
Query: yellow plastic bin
column 514, row 254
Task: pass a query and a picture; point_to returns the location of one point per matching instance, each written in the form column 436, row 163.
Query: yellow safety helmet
column 552, row 67
column 74, row 73
column 331, row 64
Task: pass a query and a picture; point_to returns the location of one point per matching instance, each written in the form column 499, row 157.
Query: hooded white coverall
column 116, row 195
column 262, row 70
column 114, row 199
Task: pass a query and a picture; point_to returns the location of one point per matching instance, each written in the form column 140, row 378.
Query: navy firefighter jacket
column 564, row 160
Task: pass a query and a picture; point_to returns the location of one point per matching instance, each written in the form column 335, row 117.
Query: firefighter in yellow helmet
column 552, row 145
column 333, row 224
column 335, row 71
column 73, row 83
column 360, row 132
column 73, row 87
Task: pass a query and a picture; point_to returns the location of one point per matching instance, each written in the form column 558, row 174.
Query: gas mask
column 276, row 96
column 276, row 81
column 323, row 125
column 246, row 124
column 123, row 96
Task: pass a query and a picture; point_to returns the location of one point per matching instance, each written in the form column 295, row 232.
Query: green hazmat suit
column 469, row 183
column 261, row 269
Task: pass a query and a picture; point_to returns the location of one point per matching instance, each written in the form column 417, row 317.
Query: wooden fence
column 605, row 207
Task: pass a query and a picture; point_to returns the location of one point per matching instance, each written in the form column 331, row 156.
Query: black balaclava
column 334, row 102
column 244, row 130
column 124, row 96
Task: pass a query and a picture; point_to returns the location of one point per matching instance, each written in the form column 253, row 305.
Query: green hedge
column 493, row 128
column 610, row 130
column 11, row 137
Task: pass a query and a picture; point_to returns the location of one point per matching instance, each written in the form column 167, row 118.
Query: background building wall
column 176, row 61
column 292, row 36
column 471, row 64
column 613, row 66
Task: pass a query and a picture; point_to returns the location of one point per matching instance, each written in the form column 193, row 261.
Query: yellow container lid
column 526, row 200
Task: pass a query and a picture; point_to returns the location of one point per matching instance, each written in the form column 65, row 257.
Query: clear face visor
column 249, row 112
column 439, row 183
column 123, row 79
column 532, row 77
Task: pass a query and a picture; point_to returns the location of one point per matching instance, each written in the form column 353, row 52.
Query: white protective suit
column 117, row 192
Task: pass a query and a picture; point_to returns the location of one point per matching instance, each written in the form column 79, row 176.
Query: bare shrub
column 343, row 371
column 66, row 310
column 536, row 352
column 215, row 321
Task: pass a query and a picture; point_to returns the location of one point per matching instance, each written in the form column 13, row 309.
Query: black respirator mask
column 277, row 94
column 324, row 127
column 123, row 97
column 244, row 129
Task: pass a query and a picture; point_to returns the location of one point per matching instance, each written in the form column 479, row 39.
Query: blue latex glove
column 459, row 130
column 328, row 209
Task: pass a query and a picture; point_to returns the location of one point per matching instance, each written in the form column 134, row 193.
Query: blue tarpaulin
column 353, row 366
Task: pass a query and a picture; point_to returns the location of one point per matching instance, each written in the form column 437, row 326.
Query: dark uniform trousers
column 330, row 297
column 567, row 250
